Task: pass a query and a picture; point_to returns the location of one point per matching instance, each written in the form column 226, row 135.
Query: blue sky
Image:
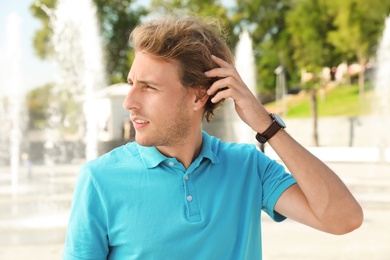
column 33, row 71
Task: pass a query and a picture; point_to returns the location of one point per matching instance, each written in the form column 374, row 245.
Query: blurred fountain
column 281, row 90
column 382, row 91
column 246, row 67
column 37, row 208
column 4, row 129
column 79, row 59
column 11, row 102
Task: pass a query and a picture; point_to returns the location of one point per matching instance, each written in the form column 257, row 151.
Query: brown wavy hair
column 190, row 41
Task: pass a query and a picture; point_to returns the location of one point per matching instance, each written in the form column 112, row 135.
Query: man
column 178, row 193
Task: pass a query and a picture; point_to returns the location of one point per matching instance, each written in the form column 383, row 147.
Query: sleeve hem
column 278, row 192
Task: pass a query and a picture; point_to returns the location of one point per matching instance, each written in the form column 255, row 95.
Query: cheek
column 160, row 110
column 168, row 106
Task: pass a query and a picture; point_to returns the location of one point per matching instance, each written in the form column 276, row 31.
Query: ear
column 201, row 98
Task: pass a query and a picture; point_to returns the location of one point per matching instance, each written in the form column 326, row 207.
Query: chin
column 144, row 141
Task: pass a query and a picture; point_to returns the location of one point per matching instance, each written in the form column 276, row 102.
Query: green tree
column 37, row 101
column 42, row 39
column 200, row 7
column 266, row 21
column 308, row 24
column 117, row 18
column 358, row 26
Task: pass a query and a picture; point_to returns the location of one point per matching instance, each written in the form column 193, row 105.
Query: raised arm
column 319, row 199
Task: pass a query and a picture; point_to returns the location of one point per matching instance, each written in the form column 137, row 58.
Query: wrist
column 276, row 125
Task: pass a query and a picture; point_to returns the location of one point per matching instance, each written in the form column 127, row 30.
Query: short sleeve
column 275, row 180
column 86, row 236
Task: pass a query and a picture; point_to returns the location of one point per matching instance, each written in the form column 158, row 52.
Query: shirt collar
column 152, row 157
column 209, row 148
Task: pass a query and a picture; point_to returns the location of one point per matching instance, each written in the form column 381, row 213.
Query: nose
column 130, row 102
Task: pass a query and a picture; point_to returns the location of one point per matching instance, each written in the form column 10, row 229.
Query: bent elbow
column 353, row 222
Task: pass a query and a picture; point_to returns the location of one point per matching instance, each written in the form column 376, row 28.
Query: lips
column 139, row 123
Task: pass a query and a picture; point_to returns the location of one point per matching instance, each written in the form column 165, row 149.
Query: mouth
column 139, row 123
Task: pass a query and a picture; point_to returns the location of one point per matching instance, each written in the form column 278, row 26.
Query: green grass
column 338, row 101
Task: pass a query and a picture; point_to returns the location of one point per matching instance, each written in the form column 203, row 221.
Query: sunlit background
column 323, row 65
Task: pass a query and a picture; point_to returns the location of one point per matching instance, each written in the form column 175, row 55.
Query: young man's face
column 160, row 107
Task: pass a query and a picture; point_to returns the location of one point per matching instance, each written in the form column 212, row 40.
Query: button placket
column 176, row 166
column 193, row 211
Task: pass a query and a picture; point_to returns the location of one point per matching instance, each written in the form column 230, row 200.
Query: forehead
column 147, row 67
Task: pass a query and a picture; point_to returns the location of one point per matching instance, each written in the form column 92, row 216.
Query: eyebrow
column 146, row 82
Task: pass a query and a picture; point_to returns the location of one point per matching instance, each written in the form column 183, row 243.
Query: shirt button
column 189, row 198
column 186, row 177
column 171, row 163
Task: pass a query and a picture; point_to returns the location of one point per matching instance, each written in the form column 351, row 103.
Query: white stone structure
column 111, row 116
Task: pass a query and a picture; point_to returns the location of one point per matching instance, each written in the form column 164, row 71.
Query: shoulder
column 236, row 150
column 120, row 155
column 245, row 155
column 123, row 157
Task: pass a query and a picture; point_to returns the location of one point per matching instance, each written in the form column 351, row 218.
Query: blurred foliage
column 266, row 22
column 291, row 33
column 41, row 102
column 297, row 34
column 358, row 26
column 308, row 23
column 42, row 10
column 37, row 102
column 204, row 8
column 117, row 18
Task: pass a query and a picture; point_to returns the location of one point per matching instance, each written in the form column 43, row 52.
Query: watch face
column 279, row 121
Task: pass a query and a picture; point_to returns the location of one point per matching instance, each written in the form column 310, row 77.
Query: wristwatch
column 276, row 125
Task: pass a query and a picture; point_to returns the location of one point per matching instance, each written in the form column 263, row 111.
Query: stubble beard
column 174, row 132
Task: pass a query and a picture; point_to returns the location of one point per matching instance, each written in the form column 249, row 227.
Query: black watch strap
column 270, row 131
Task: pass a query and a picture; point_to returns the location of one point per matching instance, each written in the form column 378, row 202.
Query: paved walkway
column 370, row 183
column 34, row 214
column 33, row 219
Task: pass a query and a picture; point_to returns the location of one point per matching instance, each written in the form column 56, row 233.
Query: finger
column 225, row 69
column 219, row 72
column 221, row 94
column 220, row 62
column 219, row 85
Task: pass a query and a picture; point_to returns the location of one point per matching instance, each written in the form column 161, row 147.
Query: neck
column 185, row 151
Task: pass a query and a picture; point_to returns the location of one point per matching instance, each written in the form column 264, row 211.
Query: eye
column 150, row 87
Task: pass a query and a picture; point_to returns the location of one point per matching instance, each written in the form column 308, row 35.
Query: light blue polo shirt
column 136, row 203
